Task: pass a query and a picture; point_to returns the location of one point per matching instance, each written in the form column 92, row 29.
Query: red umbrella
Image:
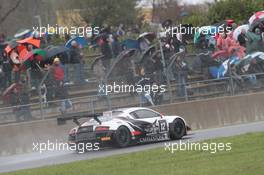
column 30, row 40
column 14, row 45
column 11, row 45
column 256, row 17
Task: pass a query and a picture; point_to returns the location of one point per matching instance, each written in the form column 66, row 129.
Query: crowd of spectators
column 108, row 42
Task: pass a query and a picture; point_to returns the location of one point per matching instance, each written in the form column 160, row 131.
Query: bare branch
column 10, row 11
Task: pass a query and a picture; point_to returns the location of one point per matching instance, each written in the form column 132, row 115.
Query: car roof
column 128, row 110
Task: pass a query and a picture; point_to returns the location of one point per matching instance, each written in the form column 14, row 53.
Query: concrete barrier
column 217, row 112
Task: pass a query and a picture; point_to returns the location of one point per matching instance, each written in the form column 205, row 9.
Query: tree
column 165, row 9
column 111, row 12
column 239, row 10
column 9, row 11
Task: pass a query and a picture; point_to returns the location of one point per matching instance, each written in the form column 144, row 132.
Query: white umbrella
column 148, row 35
column 21, row 33
column 239, row 29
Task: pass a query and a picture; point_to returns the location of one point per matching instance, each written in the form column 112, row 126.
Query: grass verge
column 245, row 158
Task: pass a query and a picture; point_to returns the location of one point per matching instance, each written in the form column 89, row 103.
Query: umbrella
column 22, row 32
column 146, row 52
column 10, row 46
column 55, row 50
column 245, row 62
column 80, row 40
column 222, row 70
column 40, row 52
column 258, row 23
column 148, row 35
column 121, row 57
column 27, row 57
column 239, row 29
column 30, row 40
column 6, row 94
column 130, row 44
column 256, row 17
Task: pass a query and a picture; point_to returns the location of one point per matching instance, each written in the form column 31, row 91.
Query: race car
column 126, row 126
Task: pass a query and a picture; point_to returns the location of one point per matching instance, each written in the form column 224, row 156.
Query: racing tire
column 122, row 137
column 177, row 129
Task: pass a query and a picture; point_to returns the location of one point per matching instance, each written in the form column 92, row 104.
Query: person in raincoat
column 16, row 64
column 78, row 62
column 20, row 100
column 227, row 44
column 255, row 42
column 242, row 39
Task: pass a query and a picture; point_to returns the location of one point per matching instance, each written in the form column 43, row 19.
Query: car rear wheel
column 177, row 129
column 122, row 137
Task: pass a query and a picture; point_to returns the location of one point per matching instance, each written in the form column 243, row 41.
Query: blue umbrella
column 80, row 40
column 130, row 44
column 220, row 72
column 224, row 67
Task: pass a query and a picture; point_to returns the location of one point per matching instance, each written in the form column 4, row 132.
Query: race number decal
column 162, row 125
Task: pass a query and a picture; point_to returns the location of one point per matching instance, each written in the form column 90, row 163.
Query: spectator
column 55, row 83
column 60, row 90
column 181, row 76
column 36, row 74
column 145, row 96
column 20, row 100
column 254, row 43
column 158, row 69
column 143, row 44
column 15, row 64
column 65, row 61
column 255, row 67
column 242, row 38
column 121, row 31
column 7, row 71
column 116, row 48
column 77, row 60
column 106, row 52
column 57, row 73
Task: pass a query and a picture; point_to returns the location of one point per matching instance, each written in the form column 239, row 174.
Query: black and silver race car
column 126, row 126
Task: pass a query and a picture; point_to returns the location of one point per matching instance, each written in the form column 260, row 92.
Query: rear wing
column 74, row 117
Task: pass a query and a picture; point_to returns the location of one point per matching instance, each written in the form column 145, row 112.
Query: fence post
column 165, row 70
column 39, row 93
column 232, row 91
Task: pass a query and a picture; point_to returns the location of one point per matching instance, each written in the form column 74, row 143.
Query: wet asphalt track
column 32, row 160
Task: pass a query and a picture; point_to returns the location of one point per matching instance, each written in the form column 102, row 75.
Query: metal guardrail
column 96, row 103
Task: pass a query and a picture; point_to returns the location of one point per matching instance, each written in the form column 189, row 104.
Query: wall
column 217, row 112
